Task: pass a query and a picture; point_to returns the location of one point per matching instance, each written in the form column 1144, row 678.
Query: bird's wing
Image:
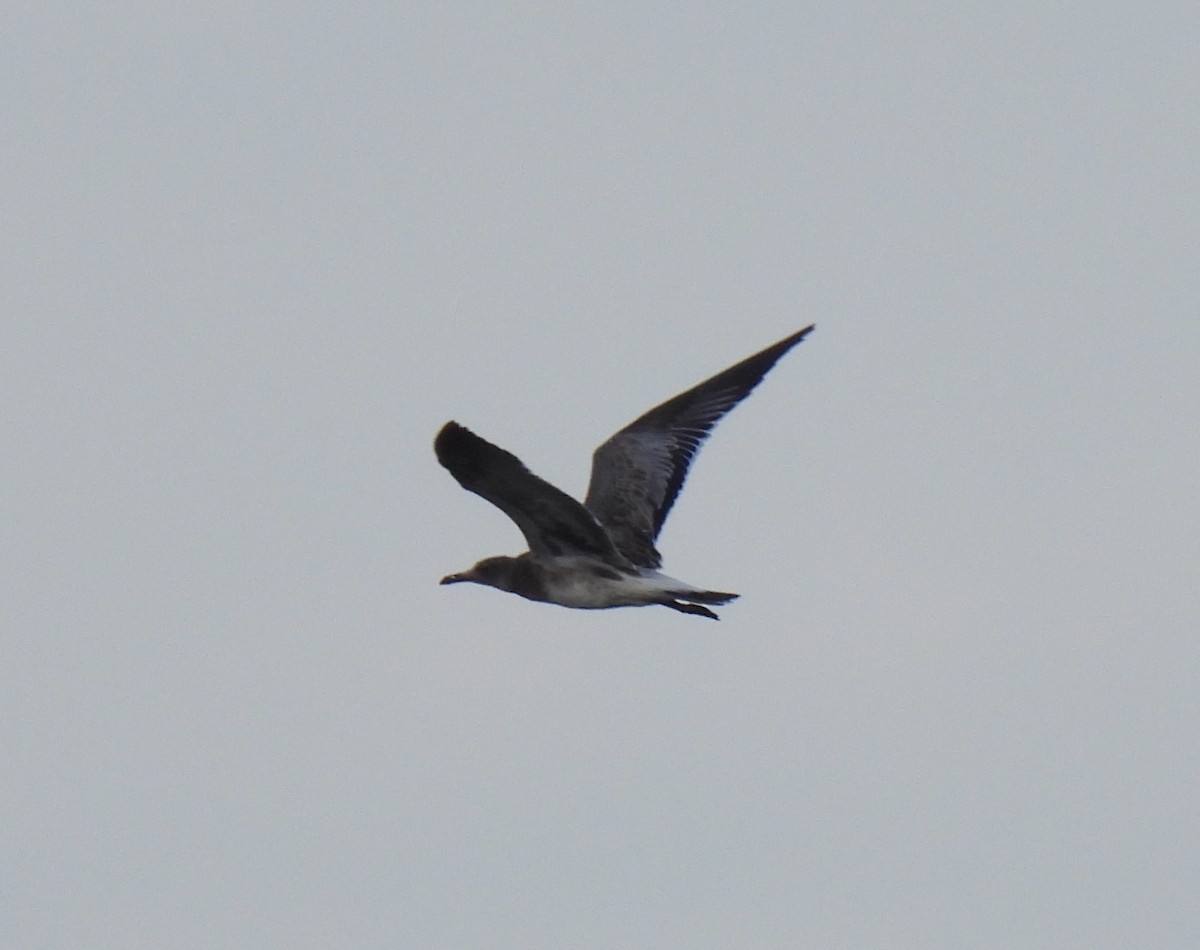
column 552, row 521
column 637, row 474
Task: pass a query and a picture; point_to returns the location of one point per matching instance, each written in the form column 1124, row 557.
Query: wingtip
column 799, row 335
column 451, row 442
column 765, row 359
column 450, row 433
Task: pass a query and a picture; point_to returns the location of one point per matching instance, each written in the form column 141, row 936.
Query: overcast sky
column 256, row 254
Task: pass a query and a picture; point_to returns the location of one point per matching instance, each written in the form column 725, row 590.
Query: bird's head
column 490, row 572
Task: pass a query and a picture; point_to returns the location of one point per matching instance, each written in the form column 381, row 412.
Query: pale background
column 256, row 254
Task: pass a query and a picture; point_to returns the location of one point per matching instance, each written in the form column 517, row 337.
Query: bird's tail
column 714, row 597
column 689, row 602
column 685, row 598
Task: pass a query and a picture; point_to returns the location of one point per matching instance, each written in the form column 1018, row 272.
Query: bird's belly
column 600, row 587
column 594, row 593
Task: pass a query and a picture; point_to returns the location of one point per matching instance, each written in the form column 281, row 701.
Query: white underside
column 581, row 589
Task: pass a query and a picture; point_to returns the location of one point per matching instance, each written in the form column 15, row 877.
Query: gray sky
column 256, row 256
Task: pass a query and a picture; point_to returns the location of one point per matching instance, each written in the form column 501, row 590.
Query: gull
column 601, row 553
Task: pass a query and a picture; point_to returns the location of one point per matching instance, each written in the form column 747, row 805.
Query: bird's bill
column 454, row 579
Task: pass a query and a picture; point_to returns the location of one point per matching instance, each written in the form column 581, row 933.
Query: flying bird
column 601, row 553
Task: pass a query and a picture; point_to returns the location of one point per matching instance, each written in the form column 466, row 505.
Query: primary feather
column 638, row 473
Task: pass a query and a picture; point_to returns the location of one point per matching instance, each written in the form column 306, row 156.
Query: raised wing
column 637, row 474
column 553, row 522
